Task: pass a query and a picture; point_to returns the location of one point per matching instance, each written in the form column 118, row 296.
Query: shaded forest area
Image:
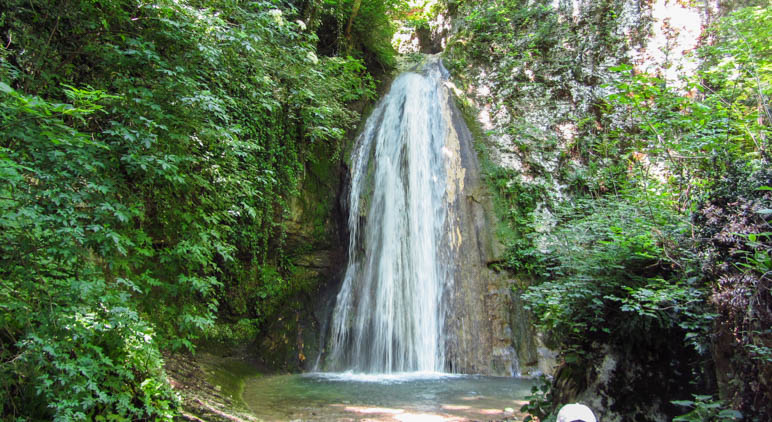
column 148, row 151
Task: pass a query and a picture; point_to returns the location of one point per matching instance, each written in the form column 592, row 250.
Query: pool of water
column 408, row 397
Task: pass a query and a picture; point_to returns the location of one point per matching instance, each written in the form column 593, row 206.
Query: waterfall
column 389, row 315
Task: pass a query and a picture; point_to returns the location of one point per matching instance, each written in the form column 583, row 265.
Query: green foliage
column 705, row 409
column 737, row 76
column 713, row 145
column 535, row 55
column 518, row 39
column 540, row 402
column 497, row 23
column 73, row 347
column 243, row 331
column 658, row 239
column 516, row 202
column 622, row 257
column 724, row 119
column 148, row 153
column 617, row 269
column 95, row 364
column 369, row 25
column 735, row 248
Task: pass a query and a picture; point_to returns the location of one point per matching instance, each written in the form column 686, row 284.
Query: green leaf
column 730, row 413
column 687, row 403
column 621, row 68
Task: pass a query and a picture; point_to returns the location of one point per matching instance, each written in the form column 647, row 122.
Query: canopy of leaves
column 362, row 28
column 147, row 153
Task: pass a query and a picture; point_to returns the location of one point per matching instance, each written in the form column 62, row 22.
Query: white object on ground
column 576, row 413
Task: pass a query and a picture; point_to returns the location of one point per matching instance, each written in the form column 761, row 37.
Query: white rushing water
column 389, row 316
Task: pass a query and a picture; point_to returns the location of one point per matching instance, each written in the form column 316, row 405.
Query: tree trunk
column 354, row 12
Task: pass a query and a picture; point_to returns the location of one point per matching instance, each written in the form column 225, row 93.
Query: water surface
column 394, row 397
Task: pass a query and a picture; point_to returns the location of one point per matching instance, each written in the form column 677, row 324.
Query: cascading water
column 389, row 315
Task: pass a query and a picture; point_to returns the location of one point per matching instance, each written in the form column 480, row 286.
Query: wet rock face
column 631, row 382
column 489, row 332
column 314, row 228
